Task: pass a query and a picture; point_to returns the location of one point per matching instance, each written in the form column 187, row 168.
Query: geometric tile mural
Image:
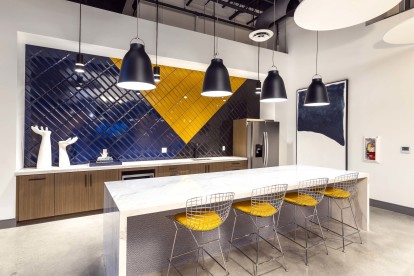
column 103, row 115
column 178, row 100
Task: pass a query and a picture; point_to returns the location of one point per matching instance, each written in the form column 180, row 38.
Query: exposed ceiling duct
column 265, row 21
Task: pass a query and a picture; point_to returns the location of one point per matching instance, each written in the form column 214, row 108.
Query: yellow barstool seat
column 263, row 209
column 336, row 193
column 205, row 221
column 301, row 199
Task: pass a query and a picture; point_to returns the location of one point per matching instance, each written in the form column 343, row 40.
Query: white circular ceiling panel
column 403, row 33
column 326, row 15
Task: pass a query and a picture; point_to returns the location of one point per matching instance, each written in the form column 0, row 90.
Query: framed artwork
column 371, row 149
column 322, row 131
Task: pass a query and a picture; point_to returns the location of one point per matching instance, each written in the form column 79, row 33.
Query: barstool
column 343, row 190
column 202, row 214
column 309, row 195
column 265, row 202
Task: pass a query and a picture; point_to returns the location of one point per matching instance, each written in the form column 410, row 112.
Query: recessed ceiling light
column 403, row 33
column 325, row 15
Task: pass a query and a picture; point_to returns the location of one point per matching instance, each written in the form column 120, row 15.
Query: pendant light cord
column 317, row 51
column 80, row 24
column 276, row 33
column 156, row 38
column 258, row 61
column 214, row 30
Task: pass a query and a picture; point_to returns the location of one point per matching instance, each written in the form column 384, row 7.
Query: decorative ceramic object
column 44, row 158
column 63, row 154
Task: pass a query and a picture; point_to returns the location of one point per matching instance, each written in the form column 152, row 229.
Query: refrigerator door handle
column 267, row 148
column 264, row 149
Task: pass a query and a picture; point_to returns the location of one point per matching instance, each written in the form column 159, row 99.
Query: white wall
column 54, row 23
column 381, row 97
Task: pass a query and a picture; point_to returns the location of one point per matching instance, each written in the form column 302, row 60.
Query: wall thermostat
column 405, row 150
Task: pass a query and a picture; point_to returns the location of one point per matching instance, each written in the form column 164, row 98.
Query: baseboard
column 392, row 207
column 7, row 223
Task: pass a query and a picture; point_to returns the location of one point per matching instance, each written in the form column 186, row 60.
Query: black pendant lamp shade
column 258, row 87
column 316, row 95
column 273, row 90
column 157, row 74
column 216, row 80
column 136, row 70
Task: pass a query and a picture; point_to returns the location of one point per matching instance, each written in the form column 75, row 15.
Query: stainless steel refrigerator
column 258, row 140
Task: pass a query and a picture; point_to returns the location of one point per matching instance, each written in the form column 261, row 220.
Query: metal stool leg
column 221, row 251
column 257, row 248
column 172, row 250
column 275, row 226
column 343, row 230
column 320, row 227
column 353, row 215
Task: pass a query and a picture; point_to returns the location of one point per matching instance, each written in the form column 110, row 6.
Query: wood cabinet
column 35, row 197
column 48, row 195
column 81, row 191
column 235, row 165
column 71, row 193
column 97, row 180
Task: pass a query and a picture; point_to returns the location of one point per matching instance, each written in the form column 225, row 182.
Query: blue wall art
column 322, row 130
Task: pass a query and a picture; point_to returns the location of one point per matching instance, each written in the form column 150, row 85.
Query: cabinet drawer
column 235, row 165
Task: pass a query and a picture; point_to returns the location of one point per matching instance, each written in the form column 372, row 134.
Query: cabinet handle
column 90, row 180
column 86, row 180
column 37, row 179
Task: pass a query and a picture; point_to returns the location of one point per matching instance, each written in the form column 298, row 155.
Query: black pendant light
column 273, row 89
column 79, row 64
column 317, row 95
column 258, row 83
column 136, row 70
column 216, row 80
column 157, row 69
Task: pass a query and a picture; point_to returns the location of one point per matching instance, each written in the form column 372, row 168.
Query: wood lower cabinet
column 35, row 197
column 97, row 180
column 81, row 191
column 71, row 193
column 215, row 167
column 235, row 165
column 181, row 170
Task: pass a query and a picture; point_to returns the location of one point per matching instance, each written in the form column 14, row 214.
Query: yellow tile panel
column 178, row 99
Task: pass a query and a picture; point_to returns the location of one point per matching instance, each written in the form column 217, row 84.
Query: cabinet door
column 35, row 197
column 96, row 187
column 71, row 193
column 174, row 170
column 215, row 167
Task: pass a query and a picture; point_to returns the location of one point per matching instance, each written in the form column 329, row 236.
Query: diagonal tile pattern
column 178, row 100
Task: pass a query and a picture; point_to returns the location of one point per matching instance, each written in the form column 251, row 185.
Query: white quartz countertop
column 128, row 165
column 146, row 196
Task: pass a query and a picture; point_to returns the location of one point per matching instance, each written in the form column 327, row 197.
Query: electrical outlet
column 163, row 150
column 405, row 150
column 223, row 148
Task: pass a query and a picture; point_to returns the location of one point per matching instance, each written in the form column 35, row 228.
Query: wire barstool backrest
column 313, row 187
column 272, row 195
column 347, row 182
column 208, row 210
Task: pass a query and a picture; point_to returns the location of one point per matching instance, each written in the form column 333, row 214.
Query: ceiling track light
column 136, row 69
column 216, row 80
column 157, row 69
column 80, row 64
column 273, row 90
column 317, row 94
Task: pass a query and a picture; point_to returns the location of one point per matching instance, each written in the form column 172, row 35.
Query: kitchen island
column 138, row 237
